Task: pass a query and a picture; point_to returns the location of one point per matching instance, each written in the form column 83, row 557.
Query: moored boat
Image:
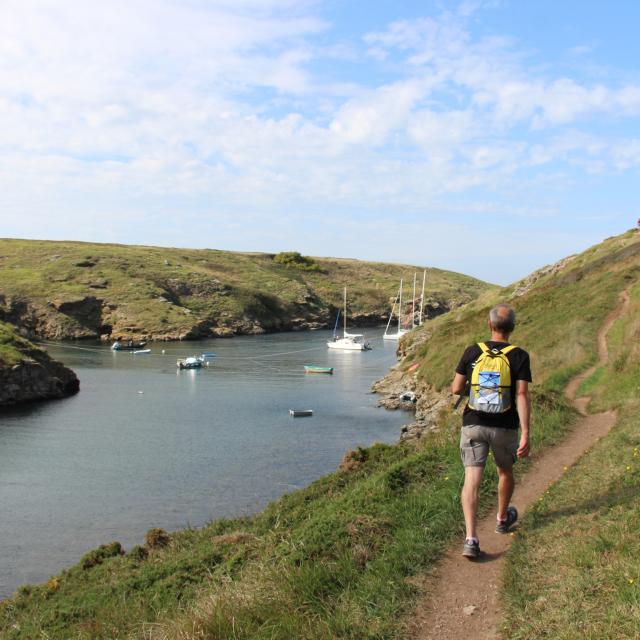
column 400, row 331
column 312, row 368
column 192, row 362
column 129, row 345
column 349, row 341
column 300, row 413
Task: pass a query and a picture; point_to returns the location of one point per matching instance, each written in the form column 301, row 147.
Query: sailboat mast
column 413, row 303
column 400, row 309
column 424, row 277
column 345, row 311
column 386, row 330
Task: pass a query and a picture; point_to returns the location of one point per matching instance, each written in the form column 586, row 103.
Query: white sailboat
column 396, row 335
column 349, row 341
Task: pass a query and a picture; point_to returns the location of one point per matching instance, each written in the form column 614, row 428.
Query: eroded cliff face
column 93, row 317
column 37, row 377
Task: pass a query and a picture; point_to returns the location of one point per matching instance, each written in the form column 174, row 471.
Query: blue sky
column 487, row 137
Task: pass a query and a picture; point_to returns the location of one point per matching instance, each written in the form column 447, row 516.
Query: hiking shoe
column 503, row 525
column 471, row 548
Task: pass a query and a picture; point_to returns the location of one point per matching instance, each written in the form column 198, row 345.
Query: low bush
column 99, row 555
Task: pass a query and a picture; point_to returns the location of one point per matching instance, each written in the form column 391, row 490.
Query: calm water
column 145, row 446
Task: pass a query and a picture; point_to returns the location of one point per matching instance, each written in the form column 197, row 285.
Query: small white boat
column 300, row 413
column 192, row 362
column 408, row 396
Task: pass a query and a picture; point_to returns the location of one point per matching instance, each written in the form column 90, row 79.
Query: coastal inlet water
column 144, row 445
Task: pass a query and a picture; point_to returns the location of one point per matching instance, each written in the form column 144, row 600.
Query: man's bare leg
column 469, row 498
column 506, row 483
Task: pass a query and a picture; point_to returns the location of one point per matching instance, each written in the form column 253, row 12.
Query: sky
column 486, row 137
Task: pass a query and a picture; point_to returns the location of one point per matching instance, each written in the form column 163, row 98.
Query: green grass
column 13, row 348
column 165, row 293
column 574, row 570
column 335, row 560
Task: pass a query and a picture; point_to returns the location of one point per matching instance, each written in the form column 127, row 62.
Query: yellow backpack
column 490, row 388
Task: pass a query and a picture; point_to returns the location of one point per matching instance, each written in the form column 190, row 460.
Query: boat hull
column 346, row 347
column 127, row 347
column 312, row 369
column 393, row 336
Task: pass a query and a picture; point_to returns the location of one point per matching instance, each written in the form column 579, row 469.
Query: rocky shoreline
column 91, row 318
column 402, row 390
column 37, row 377
column 28, row 373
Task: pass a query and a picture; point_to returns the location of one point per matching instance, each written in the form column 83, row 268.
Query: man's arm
column 458, row 384
column 523, row 403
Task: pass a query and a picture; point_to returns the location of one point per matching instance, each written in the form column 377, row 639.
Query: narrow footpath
column 463, row 597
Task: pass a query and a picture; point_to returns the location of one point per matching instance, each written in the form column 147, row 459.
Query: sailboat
column 396, row 335
column 349, row 341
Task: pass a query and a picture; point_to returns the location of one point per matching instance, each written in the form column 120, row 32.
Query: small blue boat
column 312, row 368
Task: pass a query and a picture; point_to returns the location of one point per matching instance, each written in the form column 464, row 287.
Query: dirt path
column 463, row 597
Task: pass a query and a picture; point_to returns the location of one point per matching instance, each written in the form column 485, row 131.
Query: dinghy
column 312, row 368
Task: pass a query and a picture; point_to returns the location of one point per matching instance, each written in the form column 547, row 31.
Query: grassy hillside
column 74, row 289
column 336, row 560
column 590, row 519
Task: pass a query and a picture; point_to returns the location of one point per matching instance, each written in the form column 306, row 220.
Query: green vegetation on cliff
column 27, row 373
column 75, row 289
column 12, row 346
column 336, row 559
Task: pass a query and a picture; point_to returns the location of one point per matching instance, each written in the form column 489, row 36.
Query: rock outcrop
column 35, row 377
column 403, row 390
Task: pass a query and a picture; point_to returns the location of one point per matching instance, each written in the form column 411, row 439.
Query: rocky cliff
column 405, row 390
column 72, row 290
column 28, row 374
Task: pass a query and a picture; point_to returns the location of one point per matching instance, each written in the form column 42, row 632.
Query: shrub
column 97, row 556
column 354, row 459
column 156, row 538
column 296, row 260
column 138, row 553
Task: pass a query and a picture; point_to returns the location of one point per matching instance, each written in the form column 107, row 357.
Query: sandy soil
column 463, row 597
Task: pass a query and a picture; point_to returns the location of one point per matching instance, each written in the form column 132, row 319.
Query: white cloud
column 167, row 110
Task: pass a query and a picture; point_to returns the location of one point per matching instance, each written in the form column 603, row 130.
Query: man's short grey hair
column 503, row 318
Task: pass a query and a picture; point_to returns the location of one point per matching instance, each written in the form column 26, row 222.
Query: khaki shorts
column 475, row 442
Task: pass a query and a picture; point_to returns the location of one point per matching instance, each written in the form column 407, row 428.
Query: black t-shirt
column 520, row 370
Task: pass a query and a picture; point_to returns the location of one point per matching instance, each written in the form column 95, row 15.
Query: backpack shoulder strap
column 506, row 350
column 483, row 347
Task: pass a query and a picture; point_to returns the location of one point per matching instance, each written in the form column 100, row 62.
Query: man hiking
column 496, row 377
